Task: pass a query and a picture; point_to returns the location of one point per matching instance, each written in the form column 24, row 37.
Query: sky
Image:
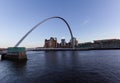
column 89, row 20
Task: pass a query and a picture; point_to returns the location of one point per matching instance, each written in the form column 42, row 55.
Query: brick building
column 51, row 43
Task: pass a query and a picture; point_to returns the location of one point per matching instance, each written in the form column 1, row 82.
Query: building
column 51, row 43
column 107, row 43
column 86, row 45
column 99, row 44
column 63, row 43
column 75, row 42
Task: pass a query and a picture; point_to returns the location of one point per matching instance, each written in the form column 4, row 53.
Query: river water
column 64, row 67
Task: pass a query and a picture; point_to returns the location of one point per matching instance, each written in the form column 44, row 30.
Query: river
column 97, row 66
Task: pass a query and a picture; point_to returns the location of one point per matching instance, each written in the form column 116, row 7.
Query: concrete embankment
column 15, row 53
column 58, row 49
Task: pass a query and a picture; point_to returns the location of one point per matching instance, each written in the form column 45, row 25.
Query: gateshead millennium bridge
column 19, row 53
column 43, row 22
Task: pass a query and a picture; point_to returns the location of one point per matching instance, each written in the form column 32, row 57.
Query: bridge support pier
column 15, row 54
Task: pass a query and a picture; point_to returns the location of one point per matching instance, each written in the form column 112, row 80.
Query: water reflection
column 63, row 67
column 64, row 58
column 66, row 67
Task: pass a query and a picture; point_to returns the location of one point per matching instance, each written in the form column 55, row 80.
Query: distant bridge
column 43, row 22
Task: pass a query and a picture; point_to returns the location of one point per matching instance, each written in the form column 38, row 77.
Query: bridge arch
column 18, row 43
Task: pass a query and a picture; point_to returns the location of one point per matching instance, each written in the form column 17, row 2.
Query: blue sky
column 89, row 20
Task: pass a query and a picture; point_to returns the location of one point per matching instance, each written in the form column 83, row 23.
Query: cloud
column 63, row 37
column 85, row 22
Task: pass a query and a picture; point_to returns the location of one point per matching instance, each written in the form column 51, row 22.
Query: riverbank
column 72, row 49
